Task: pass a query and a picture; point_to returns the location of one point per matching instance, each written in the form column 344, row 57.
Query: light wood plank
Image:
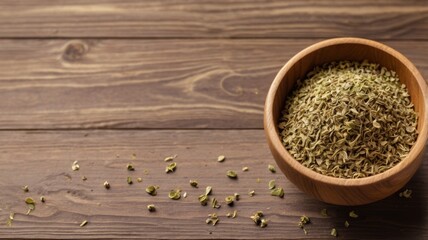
column 47, row 84
column 42, row 160
column 383, row 19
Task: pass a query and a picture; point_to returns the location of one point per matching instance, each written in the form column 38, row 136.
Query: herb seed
column 232, row 174
column 193, row 183
column 107, row 185
column 130, row 167
column 352, row 214
column 271, row 168
column 171, row 167
column 229, row 200
column 175, row 194
column 25, row 188
column 406, row 193
column 151, row 190
column 151, row 207
column 84, row 223
column 245, row 169
column 75, row 166
column 272, row 184
column 279, row 192
column 221, row 158
column 333, row 232
column 129, row 180
column 208, row 190
column 203, row 199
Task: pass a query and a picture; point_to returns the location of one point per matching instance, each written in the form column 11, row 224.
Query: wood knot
column 74, row 51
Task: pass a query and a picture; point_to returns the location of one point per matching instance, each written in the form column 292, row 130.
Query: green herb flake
column 193, row 183
column 272, row 184
column 129, row 180
column 279, row 192
column 214, row 203
column 171, row 167
column 333, row 232
column 346, row 224
column 170, row 158
column 208, row 190
column 259, row 220
column 29, row 200
column 9, row 221
column 303, row 221
column 212, row 219
column 75, row 166
column 130, row 167
column 203, row 199
column 324, row 212
column 229, row 200
column 84, row 223
column 151, row 207
column 271, row 168
column 235, row 214
column 231, row 174
column 406, row 193
column 221, row 158
column 263, row 223
column 175, row 194
column 352, row 214
column 152, row 190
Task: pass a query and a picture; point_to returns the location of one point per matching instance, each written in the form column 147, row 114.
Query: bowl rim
column 272, row 132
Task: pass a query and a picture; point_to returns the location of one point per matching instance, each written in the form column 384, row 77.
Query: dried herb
column 151, row 207
column 84, row 178
column 272, row 184
column 303, row 221
column 221, row 158
column 25, row 188
column 212, row 218
column 333, row 232
column 245, row 169
column 203, row 199
column 185, row 194
column 175, row 194
column 208, row 190
column 152, row 190
column 231, row 174
column 31, row 204
column 232, row 215
column 130, row 167
column 170, row 158
column 263, row 223
column 236, row 196
column 324, row 212
column 271, row 168
column 107, row 185
column 279, row 192
column 134, row 156
column 9, row 221
column 214, row 203
column 229, row 200
column 139, row 179
column 193, row 183
column 346, row 224
column 259, row 220
column 349, row 120
column 75, row 166
column 251, row 193
column 129, row 180
column 42, row 199
column 352, row 214
column 29, row 200
column 406, row 193
column 84, row 223
column 171, row 167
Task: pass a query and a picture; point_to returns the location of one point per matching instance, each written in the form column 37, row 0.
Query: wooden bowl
column 338, row 190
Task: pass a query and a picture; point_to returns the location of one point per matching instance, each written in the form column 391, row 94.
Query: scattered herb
column 229, row 200
column 208, row 190
column 152, row 190
column 251, row 193
column 139, row 179
column 232, row 174
column 25, row 188
column 42, row 199
column 75, row 166
column 193, row 183
column 232, row 215
column 31, row 204
column 9, row 221
column 151, row 207
column 214, row 203
column 272, row 184
column 170, row 158
column 259, row 220
column 245, row 169
column 185, row 194
column 221, row 158
column 279, row 192
column 175, row 194
column 324, row 212
column 107, row 185
column 84, row 223
column 258, row 180
column 303, row 221
column 203, row 199
column 29, row 200
column 352, row 214
column 212, row 218
column 171, row 167
column 271, row 168
column 129, row 180
column 236, row 196
column 130, row 167
column 346, row 224
column 263, row 223
column 333, row 232
column 84, row 178
column 406, row 193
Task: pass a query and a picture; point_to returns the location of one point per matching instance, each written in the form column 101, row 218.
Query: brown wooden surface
column 87, row 80
column 146, row 83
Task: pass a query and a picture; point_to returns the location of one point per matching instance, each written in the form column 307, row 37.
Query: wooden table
column 100, row 81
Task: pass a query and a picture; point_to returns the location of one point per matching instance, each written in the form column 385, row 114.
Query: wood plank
column 42, row 160
column 48, row 84
column 382, row 19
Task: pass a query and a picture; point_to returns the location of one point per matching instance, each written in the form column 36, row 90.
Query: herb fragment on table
column 203, row 199
column 75, row 166
column 263, row 223
column 324, row 212
column 333, row 232
column 42, row 199
column 229, row 200
column 151, row 207
column 130, row 167
column 152, row 190
column 208, row 190
column 233, row 214
column 193, row 183
column 259, row 220
column 31, row 204
column 231, row 174
column 251, row 193
column 278, row 192
column 245, row 169
column 352, row 214
column 175, row 194
column 221, row 158
column 236, row 196
column 406, row 193
column 170, row 158
column 9, row 221
column 214, row 203
column 212, row 218
column 346, row 224
column 84, row 178
column 106, row 185
column 25, row 188
column 272, row 184
column 171, row 167
column 139, row 179
column 303, row 221
column 84, row 223
column 271, row 168
column 185, row 194
column 129, row 180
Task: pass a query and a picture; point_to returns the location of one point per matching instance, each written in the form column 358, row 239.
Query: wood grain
column 42, row 160
column 63, row 84
column 382, row 19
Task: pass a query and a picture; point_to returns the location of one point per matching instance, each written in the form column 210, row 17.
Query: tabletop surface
column 107, row 83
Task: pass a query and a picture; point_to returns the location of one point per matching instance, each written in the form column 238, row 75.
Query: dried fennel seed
column 203, row 199
column 271, row 168
column 221, row 158
column 258, row 220
column 406, row 193
column 208, row 190
column 324, row 212
column 346, row 224
column 229, row 200
column 278, row 192
column 84, row 223
column 214, row 203
column 272, row 184
column 152, row 190
column 151, row 207
column 31, row 204
column 170, row 158
column 231, row 174
column 333, row 232
column 174, row 194
column 193, row 183
column 245, row 169
column 212, row 218
column 171, row 167
column 106, row 185
column 25, row 188
column 236, row 196
column 251, row 193
column 352, row 214
column 75, row 166
column 9, row 221
column 42, row 199
column 129, row 180
column 303, row 221
column 130, row 167
column 349, row 120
